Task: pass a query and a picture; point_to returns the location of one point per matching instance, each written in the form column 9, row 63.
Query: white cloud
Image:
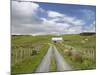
column 25, row 20
column 64, row 18
column 24, row 8
column 73, row 20
column 24, row 16
column 70, row 25
column 54, row 14
column 74, row 30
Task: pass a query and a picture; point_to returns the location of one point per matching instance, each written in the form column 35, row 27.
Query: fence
column 89, row 53
column 20, row 53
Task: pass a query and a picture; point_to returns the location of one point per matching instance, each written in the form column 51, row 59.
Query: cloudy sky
column 50, row 18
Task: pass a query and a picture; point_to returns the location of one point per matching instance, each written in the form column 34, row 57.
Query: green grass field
column 79, row 41
column 26, row 63
column 23, row 61
column 86, row 45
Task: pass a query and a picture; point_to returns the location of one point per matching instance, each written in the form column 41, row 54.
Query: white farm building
column 57, row 39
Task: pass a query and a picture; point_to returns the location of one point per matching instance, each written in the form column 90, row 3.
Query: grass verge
column 53, row 65
column 84, row 65
column 29, row 64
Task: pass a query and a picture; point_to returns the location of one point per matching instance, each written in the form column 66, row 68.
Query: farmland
column 84, row 45
column 23, row 60
column 28, row 51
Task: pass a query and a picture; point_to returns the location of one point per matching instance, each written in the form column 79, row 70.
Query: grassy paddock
column 80, row 44
column 27, row 63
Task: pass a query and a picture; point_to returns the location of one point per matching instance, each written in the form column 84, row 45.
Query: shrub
column 76, row 56
column 34, row 52
column 68, row 51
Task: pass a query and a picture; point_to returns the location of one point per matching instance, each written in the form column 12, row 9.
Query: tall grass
column 22, row 59
column 85, row 51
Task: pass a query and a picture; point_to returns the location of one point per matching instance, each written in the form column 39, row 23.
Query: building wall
column 57, row 39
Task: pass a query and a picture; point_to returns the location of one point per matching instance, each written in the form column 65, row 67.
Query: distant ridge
column 88, row 33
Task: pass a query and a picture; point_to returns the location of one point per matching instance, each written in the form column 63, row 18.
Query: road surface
column 61, row 63
column 45, row 64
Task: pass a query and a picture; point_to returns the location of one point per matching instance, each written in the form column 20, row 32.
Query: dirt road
column 60, row 62
column 45, row 64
